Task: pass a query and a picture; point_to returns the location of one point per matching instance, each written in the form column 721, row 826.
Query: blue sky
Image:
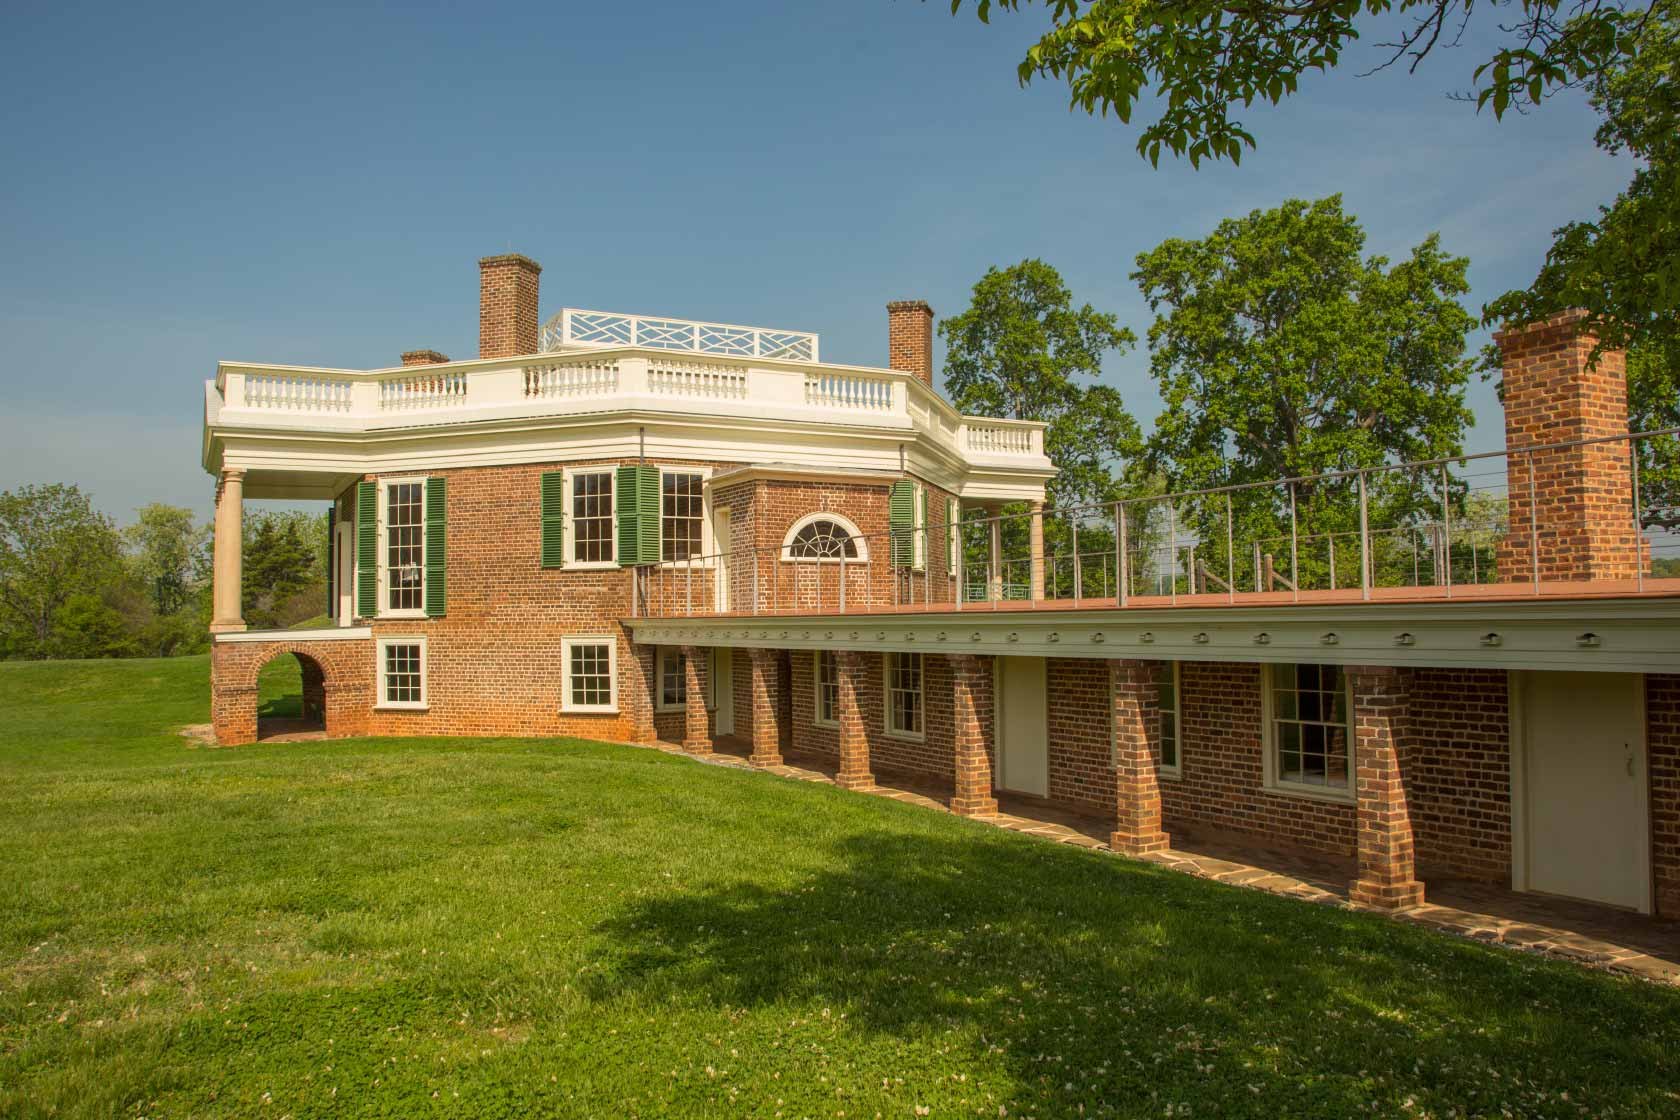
column 314, row 185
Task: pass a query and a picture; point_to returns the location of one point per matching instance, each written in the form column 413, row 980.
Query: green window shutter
column 367, row 549
column 901, row 519
column 553, row 519
column 637, row 500
column 437, row 547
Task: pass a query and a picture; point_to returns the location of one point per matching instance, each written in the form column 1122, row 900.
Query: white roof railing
column 574, row 327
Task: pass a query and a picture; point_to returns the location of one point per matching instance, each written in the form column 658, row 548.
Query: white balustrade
column 998, row 439
column 576, row 327
column 697, row 379
column 848, row 390
column 572, row 379
column 297, row 392
column 423, row 390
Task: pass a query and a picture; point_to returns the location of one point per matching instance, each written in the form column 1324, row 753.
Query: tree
column 52, row 545
column 88, row 626
column 1021, row 351
column 278, row 563
column 1624, row 268
column 169, row 554
column 1281, row 352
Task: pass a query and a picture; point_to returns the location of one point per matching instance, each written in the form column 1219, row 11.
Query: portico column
column 971, row 747
column 1035, row 553
column 766, row 709
column 697, row 732
column 227, row 554
column 1135, row 697
column 854, row 740
column 1380, row 724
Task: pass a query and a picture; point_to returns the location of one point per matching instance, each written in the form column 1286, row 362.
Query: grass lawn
column 518, row 928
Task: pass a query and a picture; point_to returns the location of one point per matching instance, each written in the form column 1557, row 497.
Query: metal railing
column 1585, row 516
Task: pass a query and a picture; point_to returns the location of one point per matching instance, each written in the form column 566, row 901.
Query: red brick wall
column 1080, row 730
column 910, row 338
column 338, row 673
column 507, row 306
column 888, row 754
column 1662, row 707
column 1459, row 780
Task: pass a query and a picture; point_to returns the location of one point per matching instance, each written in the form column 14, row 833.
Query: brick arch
column 337, row 681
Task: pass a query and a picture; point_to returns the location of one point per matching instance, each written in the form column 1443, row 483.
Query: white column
column 228, row 554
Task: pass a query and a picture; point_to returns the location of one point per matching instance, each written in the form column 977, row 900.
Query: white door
column 346, row 577
column 1023, row 726
column 1584, row 825
column 723, row 690
column 720, row 543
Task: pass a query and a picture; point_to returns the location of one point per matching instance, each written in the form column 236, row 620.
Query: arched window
column 824, row 537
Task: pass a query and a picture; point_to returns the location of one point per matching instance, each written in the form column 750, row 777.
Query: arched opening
column 291, row 698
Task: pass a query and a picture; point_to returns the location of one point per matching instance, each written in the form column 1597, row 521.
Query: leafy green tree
column 53, row 545
column 169, row 554
column 1282, row 352
column 89, row 626
column 278, row 563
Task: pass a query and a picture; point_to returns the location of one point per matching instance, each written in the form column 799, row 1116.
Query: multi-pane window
column 822, row 539
column 828, row 687
column 592, row 517
column 681, row 514
column 589, row 675
column 673, row 678
column 402, row 673
column 405, row 546
column 904, row 694
column 1310, row 738
column 1166, row 681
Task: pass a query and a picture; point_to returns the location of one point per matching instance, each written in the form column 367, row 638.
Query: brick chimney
column 423, row 358
column 1581, row 496
column 910, row 338
column 507, row 305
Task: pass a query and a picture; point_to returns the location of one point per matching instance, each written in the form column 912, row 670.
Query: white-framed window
column 589, row 665
column 953, row 534
column 402, row 569
column 673, row 679
column 682, row 514
column 1168, row 745
column 920, row 537
column 402, row 673
column 827, row 672
column 1309, row 741
column 819, row 538
column 903, row 672
column 591, row 527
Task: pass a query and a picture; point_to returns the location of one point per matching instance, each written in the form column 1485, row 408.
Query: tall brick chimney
column 910, row 338
column 423, row 358
column 1581, row 496
column 507, row 305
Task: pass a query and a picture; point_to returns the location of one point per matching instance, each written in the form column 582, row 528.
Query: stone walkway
column 1599, row 936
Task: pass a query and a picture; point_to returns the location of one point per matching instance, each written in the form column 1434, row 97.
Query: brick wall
column 1459, row 781
column 1080, row 734
column 507, row 305
column 910, row 338
column 338, row 675
column 889, row 755
column 1662, row 707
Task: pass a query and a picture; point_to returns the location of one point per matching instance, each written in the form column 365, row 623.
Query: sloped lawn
column 506, row 928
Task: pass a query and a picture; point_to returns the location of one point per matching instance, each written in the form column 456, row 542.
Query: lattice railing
column 576, row 327
column 297, row 393
column 425, row 390
column 847, row 390
column 571, row 379
column 697, row 379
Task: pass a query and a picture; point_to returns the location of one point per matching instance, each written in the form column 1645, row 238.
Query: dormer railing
column 574, row 328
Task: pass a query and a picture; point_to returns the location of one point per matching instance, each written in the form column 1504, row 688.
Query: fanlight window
column 822, row 538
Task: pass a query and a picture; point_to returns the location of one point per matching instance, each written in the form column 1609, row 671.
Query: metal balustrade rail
column 1596, row 516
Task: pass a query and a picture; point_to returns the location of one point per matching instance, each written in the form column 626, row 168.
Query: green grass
column 520, row 928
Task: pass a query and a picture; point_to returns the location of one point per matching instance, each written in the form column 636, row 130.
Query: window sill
column 1175, row 773
column 906, row 736
column 589, row 566
column 829, row 724
column 698, row 565
column 408, row 614
column 401, row 707
column 566, row 710
column 1313, row 793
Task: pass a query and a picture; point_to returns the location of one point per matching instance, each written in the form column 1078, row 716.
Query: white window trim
column 886, row 700
column 705, row 560
column 953, row 518
column 382, row 704
column 845, row 523
column 659, row 704
column 1176, row 770
column 569, row 531
column 381, row 568
column 816, row 691
column 566, row 645
column 919, row 527
column 1268, row 739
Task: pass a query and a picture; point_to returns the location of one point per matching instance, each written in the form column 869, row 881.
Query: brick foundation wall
column 1459, row 780
column 337, row 675
column 1080, row 732
column 1662, row 708
column 930, row 757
